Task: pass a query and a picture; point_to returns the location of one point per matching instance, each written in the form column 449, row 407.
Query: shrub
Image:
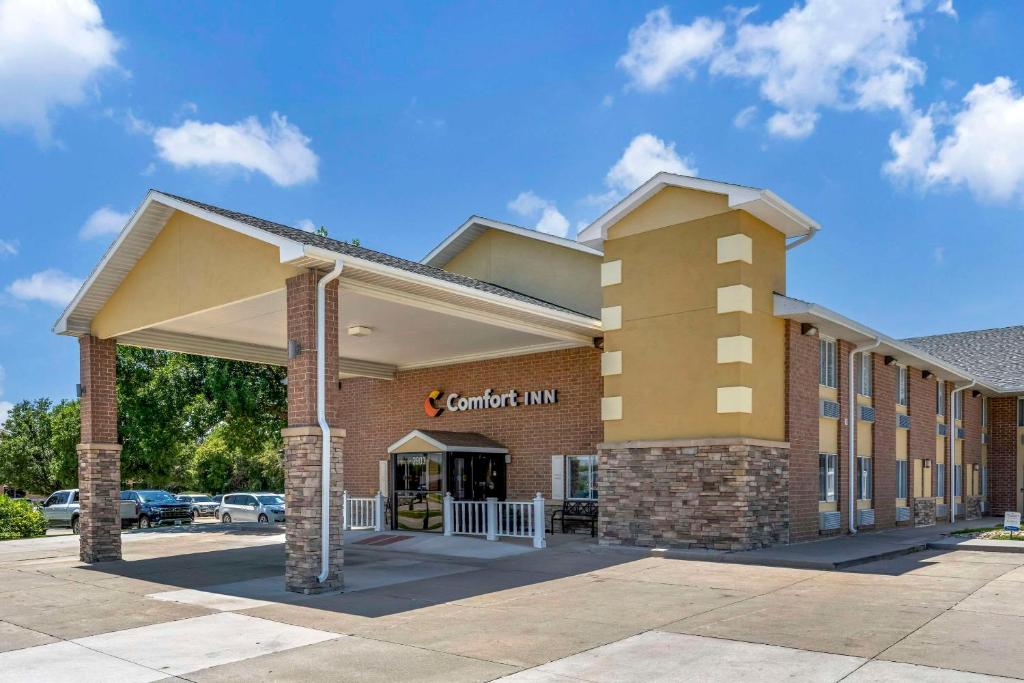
column 19, row 519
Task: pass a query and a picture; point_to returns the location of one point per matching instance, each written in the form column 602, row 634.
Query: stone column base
column 924, row 511
column 972, row 507
column 99, row 495
column 727, row 494
column 302, row 471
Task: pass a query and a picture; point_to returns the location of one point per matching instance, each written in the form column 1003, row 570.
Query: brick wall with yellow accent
column 692, row 348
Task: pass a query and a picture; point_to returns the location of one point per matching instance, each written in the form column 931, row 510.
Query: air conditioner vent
column 959, row 432
column 903, row 514
column 902, row 421
column 867, row 414
column 940, row 430
column 829, row 409
column 828, row 520
column 865, row 517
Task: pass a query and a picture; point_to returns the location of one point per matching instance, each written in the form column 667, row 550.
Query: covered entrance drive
column 428, row 465
column 190, row 277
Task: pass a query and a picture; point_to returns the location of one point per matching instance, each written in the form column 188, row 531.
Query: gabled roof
column 297, row 246
column 996, row 356
column 761, row 203
column 475, row 226
column 452, row 442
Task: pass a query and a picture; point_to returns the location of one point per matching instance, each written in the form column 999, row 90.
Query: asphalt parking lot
column 206, row 604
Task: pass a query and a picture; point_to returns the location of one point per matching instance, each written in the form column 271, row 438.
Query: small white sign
column 1011, row 521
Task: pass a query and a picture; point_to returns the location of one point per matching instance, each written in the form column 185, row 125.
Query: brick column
column 972, row 452
column 99, row 454
column 802, row 359
column 303, row 441
column 843, row 349
column 921, row 406
column 1002, row 454
column 884, row 441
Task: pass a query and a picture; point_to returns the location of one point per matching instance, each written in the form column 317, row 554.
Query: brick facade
column 802, row 366
column 708, row 494
column 99, row 455
column 843, row 349
column 921, row 442
column 303, row 440
column 1002, row 454
column 376, row 413
column 972, row 452
column 883, row 446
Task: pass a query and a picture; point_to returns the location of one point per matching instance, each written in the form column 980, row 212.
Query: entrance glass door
column 418, row 491
column 476, row 476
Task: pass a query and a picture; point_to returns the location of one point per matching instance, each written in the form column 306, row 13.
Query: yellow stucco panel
column 864, row 434
column 547, row 271
column 191, row 266
column 671, row 206
column 902, row 436
column 828, row 435
column 416, row 445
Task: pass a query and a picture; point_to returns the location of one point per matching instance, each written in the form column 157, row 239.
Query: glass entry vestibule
column 427, row 465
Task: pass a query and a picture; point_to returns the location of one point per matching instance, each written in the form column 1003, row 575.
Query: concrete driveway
column 206, row 604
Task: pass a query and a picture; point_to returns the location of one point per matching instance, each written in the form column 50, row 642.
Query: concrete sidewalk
column 843, row 552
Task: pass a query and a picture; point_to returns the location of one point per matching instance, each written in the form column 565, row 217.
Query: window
column 863, row 478
column 865, row 374
column 940, row 479
column 957, row 479
column 901, row 385
column 984, row 411
column 59, row 498
column 827, row 368
column 74, row 497
column 940, row 398
column 901, row 478
column 581, row 482
column 1020, row 412
column 827, row 477
column 958, row 406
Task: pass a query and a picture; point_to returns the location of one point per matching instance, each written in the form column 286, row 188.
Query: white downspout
column 800, row 240
column 951, row 432
column 853, row 432
column 321, row 416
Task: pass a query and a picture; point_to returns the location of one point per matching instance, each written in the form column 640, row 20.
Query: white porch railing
column 493, row 518
column 362, row 513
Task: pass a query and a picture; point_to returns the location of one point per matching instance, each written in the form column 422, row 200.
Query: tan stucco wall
column 670, row 324
column 671, row 206
column 416, row 445
column 191, row 266
column 547, row 271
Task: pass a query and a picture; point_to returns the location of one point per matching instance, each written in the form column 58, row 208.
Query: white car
column 251, row 507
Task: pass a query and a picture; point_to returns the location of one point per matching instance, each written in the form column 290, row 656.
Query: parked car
column 61, row 509
column 251, row 507
column 153, row 508
column 201, row 504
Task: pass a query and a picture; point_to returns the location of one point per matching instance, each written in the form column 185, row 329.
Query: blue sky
column 899, row 126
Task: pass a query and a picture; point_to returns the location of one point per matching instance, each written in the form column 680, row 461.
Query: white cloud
column 827, row 53
column 982, row 150
column 50, row 54
column 280, row 151
column 744, row 117
column 946, row 7
column 549, row 219
column 103, row 221
column 49, row 286
column 659, row 50
column 306, row 224
column 645, row 156
column 8, row 247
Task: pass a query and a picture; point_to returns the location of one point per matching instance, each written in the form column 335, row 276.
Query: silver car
column 251, row 507
column 202, row 505
column 61, row 509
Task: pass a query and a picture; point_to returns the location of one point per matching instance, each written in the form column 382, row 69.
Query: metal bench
column 576, row 514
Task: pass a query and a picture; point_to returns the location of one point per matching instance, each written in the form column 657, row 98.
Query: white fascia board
column 580, row 320
column 442, row 254
column 850, row 330
column 764, row 204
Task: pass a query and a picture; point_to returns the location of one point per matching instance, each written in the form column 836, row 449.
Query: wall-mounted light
column 927, row 374
column 294, row 349
column 359, row 331
column 927, row 464
column 890, row 360
column 599, row 342
column 808, row 330
column 975, row 394
column 79, row 390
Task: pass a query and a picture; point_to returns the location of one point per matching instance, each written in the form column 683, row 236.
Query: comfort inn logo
column 430, row 406
column 489, row 399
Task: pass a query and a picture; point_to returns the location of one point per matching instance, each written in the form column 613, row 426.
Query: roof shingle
column 995, row 356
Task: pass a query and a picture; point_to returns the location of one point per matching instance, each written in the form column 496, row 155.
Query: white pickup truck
column 145, row 508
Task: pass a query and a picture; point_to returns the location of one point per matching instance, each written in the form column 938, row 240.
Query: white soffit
column 832, row 324
column 475, row 226
column 763, row 204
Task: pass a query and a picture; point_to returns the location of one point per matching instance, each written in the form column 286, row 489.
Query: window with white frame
column 827, row 367
column 940, row 398
column 581, row 477
column 957, row 479
column 984, row 411
column 827, row 477
column 901, row 385
column 984, row 481
column 958, row 406
column 863, row 478
column 865, row 374
column 940, row 479
column 901, row 478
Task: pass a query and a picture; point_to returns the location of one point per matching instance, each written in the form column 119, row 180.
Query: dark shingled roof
column 996, row 356
column 347, row 249
column 461, row 439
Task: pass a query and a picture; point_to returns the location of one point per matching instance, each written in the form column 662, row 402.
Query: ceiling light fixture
column 359, row 331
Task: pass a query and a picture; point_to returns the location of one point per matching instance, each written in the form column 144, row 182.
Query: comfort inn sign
column 434, row 404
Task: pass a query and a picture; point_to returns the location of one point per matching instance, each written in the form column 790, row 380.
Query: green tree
column 37, row 446
column 220, row 465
